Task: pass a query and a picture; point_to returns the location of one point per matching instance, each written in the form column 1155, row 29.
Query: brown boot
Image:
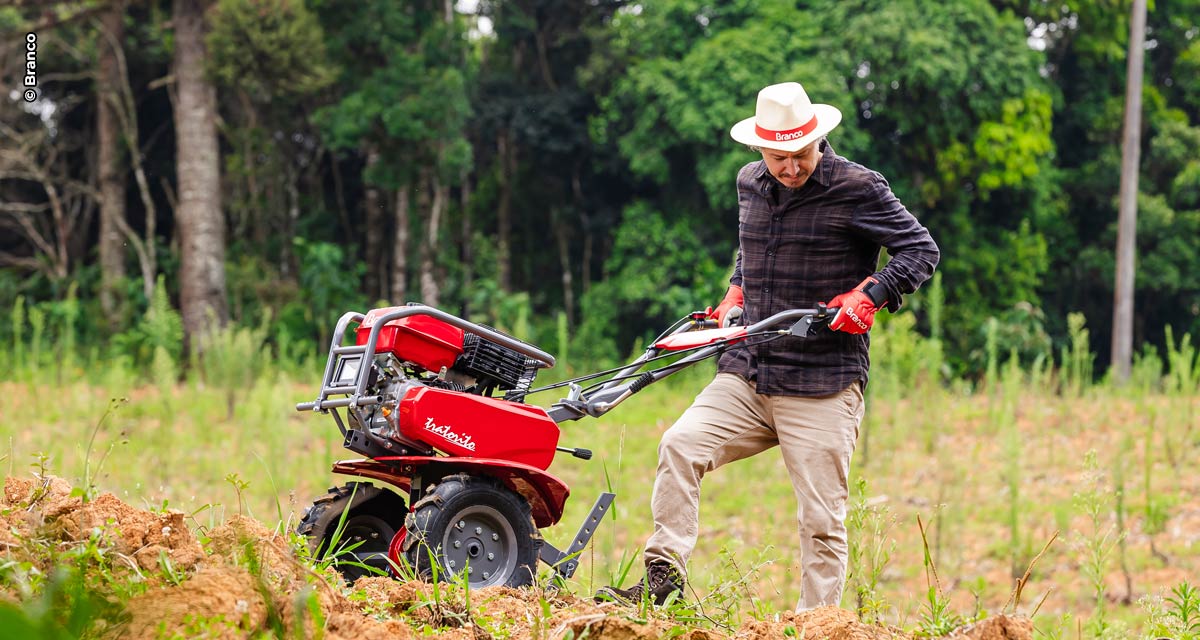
column 660, row 582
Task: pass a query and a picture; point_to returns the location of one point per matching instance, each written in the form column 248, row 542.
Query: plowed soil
column 245, row 581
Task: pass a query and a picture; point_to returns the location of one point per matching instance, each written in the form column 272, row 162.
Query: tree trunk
column 468, row 258
column 400, row 247
column 430, row 287
column 504, row 212
column 373, row 229
column 111, row 167
column 1122, row 337
column 563, row 237
column 123, row 106
column 585, row 223
column 201, row 223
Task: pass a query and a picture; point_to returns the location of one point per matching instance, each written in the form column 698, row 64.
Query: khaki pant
column 728, row 421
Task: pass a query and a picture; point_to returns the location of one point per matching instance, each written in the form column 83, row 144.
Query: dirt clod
column 998, row 628
column 223, row 602
column 827, row 623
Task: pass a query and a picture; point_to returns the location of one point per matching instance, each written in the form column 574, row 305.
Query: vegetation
column 938, row 453
column 545, row 157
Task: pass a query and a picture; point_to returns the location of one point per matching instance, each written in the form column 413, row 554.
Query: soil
column 245, row 581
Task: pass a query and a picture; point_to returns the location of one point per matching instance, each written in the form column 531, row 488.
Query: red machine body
column 436, row 404
column 462, row 424
column 421, row 340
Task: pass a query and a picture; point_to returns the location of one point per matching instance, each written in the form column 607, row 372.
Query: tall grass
column 996, row 461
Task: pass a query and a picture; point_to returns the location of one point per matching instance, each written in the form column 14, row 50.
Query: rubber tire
column 375, row 515
column 477, row 502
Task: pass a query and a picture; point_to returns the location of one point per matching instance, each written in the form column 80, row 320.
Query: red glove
column 856, row 308
column 730, row 308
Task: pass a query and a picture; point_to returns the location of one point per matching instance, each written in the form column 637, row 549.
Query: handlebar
column 620, row 386
column 700, row 319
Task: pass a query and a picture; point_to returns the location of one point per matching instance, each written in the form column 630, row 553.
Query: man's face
column 792, row 169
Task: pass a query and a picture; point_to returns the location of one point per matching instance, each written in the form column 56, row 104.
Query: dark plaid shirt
column 800, row 247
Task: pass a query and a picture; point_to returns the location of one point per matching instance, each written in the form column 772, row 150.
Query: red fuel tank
column 466, row 425
column 424, row 341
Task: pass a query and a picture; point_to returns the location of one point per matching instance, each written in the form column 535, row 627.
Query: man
column 811, row 226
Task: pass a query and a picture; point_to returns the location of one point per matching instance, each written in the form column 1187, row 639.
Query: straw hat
column 785, row 119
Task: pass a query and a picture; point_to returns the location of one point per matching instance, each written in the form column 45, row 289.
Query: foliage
column 272, row 49
column 658, row 271
column 997, row 122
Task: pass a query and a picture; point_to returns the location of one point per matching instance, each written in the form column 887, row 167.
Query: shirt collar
column 822, row 175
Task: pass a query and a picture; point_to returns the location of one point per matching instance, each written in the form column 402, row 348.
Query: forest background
column 564, row 167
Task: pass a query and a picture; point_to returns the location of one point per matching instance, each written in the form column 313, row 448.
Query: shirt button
column 766, row 289
column 770, row 253
column 777, row 218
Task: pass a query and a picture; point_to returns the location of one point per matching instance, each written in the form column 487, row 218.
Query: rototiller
column 436, row 404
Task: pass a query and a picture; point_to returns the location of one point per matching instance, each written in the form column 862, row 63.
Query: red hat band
column 789, row 134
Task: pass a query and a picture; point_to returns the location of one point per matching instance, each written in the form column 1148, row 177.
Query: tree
column 271, row 68
column 200, row 220
column 532, row 144
column 405, row 110
column 110, row 161
column 1122, row 336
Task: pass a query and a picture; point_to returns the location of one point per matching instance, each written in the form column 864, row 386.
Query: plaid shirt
column 798, row 248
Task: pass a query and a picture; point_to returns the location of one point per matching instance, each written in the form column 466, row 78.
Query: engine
column 436, row 385
column 445, row 356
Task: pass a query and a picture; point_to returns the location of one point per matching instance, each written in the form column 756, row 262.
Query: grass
column 992, row 469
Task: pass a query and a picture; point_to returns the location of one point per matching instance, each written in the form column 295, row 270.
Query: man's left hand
column 856, row 308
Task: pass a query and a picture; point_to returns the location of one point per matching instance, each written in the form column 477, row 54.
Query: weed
column 1183, row 614
column 17, row 316
column 1120, row 510
column 870, row 550
column 232, row 358
column 1076, row 360
column 1057, row 632
column 936, row 618
column 239, row 486
column 88, row 491
column 1096, row 548
column 1014, row 600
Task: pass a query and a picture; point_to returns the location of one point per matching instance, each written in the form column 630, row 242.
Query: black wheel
column 373, row 516
column 477, row 524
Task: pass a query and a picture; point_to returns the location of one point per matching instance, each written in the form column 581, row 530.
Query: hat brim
column 828, row 117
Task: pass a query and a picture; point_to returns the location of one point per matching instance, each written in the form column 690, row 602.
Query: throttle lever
column 582, row 454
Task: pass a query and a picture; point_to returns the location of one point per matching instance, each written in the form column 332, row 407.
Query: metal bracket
column 566, row 562
column 802, row 327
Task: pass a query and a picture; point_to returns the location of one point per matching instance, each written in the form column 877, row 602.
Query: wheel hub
column 481, row 542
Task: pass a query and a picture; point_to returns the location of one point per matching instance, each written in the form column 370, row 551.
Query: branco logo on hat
column 785, row 119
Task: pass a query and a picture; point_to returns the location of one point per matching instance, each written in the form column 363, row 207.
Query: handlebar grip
column 707, row 324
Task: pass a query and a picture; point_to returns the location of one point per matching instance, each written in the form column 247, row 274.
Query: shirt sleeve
column 744, row 176
column 884, row 220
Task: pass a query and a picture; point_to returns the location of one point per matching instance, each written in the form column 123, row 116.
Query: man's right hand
column 730, row 309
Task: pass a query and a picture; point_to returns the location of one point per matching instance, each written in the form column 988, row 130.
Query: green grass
column 993, row 470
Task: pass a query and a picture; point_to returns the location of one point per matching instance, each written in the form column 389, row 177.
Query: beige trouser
column 728, row 421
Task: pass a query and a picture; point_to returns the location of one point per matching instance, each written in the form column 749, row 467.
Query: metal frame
column 620, row 387
column 355, row 393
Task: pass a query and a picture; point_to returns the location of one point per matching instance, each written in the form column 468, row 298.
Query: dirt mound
column 48, row 508
column 246, row 581
column 998, row 628
column 215, row 602
column 833, row 623
column 827, row 623
column 250, row 582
